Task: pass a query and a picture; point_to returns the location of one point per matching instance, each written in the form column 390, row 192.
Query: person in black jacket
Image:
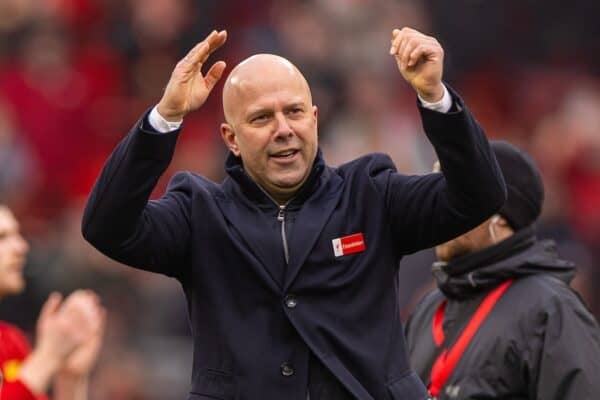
column 289, row 265
column 503, row 322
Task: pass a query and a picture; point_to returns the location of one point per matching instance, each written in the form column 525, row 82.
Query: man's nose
column 283, row 127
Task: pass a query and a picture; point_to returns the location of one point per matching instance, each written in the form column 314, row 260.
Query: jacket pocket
column 211, row 384
column 408, row 387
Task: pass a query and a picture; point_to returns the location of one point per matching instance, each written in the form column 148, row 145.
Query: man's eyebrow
column 258, row 111
column 298, row 104
column 269, row 110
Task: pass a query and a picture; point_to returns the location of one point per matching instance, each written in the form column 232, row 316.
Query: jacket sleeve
column 426, row 210
column 120, row 221
column 566, row 358
column 14, row 347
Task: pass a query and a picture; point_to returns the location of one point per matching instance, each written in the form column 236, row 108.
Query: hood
column 518, row 256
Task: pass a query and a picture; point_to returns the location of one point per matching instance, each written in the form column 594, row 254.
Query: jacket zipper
column 281, row 218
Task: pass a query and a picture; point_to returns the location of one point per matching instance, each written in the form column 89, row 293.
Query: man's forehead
column 267, row 80
column 263, row 79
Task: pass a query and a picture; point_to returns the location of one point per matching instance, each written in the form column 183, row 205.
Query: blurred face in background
column 13, row 252
column 489, row 233
column 472, row 241
column 478, row 238
column 271, row 123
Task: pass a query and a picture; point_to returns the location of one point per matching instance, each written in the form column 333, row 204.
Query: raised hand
column 420, row 59
column 83, row 358
column 63, row 326
column 72, row 380
column 188, row 88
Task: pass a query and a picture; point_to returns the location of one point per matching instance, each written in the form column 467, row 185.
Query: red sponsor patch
column 350, row 244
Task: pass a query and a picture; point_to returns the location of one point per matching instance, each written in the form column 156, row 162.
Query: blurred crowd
column 75, row 75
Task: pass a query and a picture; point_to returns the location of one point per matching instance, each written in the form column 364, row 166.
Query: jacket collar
column 518, row 256
column 235, row 169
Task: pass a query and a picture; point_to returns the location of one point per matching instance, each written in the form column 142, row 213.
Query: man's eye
column 259, row 118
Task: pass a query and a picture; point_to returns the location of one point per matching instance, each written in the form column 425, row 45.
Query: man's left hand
column 420, row 59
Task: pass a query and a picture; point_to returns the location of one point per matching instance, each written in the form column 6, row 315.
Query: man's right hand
column 188, row 89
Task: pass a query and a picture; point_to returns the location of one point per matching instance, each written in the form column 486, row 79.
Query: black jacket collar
column 517, row 256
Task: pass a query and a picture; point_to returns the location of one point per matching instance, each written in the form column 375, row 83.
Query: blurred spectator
column 17, row 172
column 503, row 321
column 69, row 332
column 55, row 102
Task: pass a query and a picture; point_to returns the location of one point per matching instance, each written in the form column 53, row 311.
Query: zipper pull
column 281, row 215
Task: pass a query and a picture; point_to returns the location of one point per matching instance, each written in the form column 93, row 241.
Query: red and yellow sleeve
column 14, row 348
column 16, row 390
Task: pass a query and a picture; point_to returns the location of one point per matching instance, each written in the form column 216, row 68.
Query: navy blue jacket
column 265, row 328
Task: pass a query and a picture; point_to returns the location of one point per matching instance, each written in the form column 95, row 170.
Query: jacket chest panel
column 353, row 237
column 492, row 366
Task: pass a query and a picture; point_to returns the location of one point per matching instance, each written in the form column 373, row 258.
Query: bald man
column 288, row 265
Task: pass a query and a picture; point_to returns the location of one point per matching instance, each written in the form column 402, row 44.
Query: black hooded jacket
column 538, row 342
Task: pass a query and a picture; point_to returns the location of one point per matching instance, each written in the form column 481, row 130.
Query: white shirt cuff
column 160, row 124
column 442, row 105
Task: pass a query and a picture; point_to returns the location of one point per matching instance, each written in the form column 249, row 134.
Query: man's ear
column 315, row 114
column 230, row 138
column 501, row 221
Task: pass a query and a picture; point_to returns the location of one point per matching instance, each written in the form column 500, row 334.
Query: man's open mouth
column 285, row 154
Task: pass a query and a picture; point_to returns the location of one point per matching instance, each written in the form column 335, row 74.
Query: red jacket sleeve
column 14, row 349
column 17, row 390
